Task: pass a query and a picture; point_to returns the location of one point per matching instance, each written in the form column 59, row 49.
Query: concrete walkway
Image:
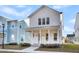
column 30, row 49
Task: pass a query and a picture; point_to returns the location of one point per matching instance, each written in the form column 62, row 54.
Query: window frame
column 48, row 20
column 43, row 21
column 39, row 21
column 20, row 26
column 47, row 36
column 55, row 36
column 13, row 26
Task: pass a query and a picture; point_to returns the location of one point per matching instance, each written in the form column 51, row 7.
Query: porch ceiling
column 42, row 28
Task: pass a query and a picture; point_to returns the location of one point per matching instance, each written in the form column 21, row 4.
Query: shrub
column 12, row 44
column 42, row 46
column 25, row 44
column 49, row 46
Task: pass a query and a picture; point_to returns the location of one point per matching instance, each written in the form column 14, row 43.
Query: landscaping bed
column 62, row 48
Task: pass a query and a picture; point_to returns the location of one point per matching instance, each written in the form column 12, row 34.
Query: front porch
column 45, row 35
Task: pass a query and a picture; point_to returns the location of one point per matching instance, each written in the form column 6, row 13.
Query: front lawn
column 63, row 48
column 15, row 47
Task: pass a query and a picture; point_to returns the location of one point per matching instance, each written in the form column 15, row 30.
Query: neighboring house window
column 39, row 21
column 55, row 36
column 47, row 22
column 12, row 26
column 46, row 36
column 0, row 26
column 20, row 26
column 43, row 21
column 21, row 39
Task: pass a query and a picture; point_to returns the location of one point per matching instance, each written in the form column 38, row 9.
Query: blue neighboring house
column 14, row 31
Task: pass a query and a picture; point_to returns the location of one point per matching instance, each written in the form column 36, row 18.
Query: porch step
column 35, row 45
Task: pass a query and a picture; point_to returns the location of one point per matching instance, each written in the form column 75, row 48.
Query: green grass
column 63, row 48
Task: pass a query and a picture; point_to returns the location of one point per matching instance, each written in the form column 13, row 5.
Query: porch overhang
column 29, row 29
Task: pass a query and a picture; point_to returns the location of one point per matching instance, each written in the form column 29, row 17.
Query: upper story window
column 55, row 36
column 43, row 21
column 12, row 26
column 47, row 22
column 39, row 21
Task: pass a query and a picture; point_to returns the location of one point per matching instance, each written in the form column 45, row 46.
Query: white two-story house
column 76, row 27
column 45, row 26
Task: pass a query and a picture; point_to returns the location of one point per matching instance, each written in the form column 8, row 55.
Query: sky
column 20, row 12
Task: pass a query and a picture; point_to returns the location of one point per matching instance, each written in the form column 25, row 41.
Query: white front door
column 35, row 38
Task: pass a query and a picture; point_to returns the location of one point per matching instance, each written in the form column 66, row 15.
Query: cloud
column 60, row 6
column 14, row 12
column 9, row 11
column 21, row 6
column 68, row 30
column 72, row 21
column 69, row 27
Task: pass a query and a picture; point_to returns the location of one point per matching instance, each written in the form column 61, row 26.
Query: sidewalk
column 9, row 50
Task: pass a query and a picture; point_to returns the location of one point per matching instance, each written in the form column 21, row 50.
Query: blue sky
column 21, row 12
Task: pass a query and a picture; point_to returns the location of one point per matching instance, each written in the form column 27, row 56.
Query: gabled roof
column 12, row 21
column 4, row 18
column 22, row 21
column 41, row 8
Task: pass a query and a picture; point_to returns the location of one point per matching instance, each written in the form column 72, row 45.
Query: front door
column 36, row 39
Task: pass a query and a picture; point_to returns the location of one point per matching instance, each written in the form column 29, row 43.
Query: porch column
column 32, row 37
column 40, row 37
column 58, row 37
column 49, row 36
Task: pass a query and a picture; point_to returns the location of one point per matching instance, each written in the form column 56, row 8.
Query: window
column 13, row 37
column 39, row 21
column 12, row 26
column 47, row 22
column 21, row 39
column 55, row 36
column 46, row 36
column 20, row 26
column 43, row 21
column 0, row 26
